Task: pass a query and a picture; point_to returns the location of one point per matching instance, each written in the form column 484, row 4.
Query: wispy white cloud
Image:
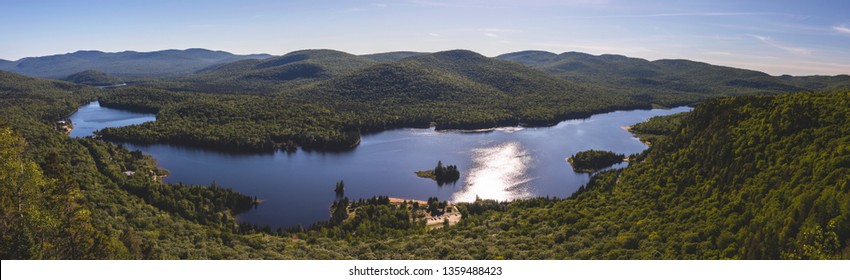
column 782, row 26
column 690, row 14
column 492, row 32
column 760, row 38
column 374, row 6
column 486, row 4
column 594, row 48
column 842, row 29
column 718, row 53
column 355, row 10
column 499, row 30
column 432, row 34
column 206, row 25
column 780, row 66
column 793, row 50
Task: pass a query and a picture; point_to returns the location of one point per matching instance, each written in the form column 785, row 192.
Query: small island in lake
column 592, row 160
column 441, row 174
column 340, row 188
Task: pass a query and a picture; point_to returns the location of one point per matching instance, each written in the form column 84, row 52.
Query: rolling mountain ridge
column 126, row 64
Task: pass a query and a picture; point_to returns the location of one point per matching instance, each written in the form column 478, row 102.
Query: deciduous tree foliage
column 63, row 198
column 762, row 177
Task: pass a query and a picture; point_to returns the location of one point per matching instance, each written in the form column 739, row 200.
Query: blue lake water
column 298, row 188
column 91, row 117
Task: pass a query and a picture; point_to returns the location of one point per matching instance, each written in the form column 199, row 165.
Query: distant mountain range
column 127, row 64
column 325, row 99
column 286, row 71
column 677, row 75
column 511, row 90
column 666, row 81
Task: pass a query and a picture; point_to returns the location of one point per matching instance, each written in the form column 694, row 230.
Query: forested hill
column 392, row 56
column 673, row 80
column 743, row 177
column 747, row 177
column 126, row 64
column 666, row 81
column 463, row 89
column 268, row 75
column 94, row 78
column 453, row 89
column 64, row 198
column 324, row 99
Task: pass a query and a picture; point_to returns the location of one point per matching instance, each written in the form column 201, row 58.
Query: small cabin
column 63, row 126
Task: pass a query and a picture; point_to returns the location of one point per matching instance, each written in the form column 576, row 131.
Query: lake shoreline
column 347, row 148
column 294, row 187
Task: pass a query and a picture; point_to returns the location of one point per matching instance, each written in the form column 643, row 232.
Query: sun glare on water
column 497, row 173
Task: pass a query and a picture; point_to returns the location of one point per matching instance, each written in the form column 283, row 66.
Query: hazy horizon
column 776, row 37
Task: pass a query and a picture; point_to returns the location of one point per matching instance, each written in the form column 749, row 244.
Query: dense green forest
column 761, row 177
column 231, row 122
column 593, row 160
column 658, row 127
column 325, row 99
column 94, row 78
column 64, row 198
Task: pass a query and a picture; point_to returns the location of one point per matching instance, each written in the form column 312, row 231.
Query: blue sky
column 777, row 37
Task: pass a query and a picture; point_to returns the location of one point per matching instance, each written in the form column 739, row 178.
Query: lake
column 91, row 117
column 298, row 188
